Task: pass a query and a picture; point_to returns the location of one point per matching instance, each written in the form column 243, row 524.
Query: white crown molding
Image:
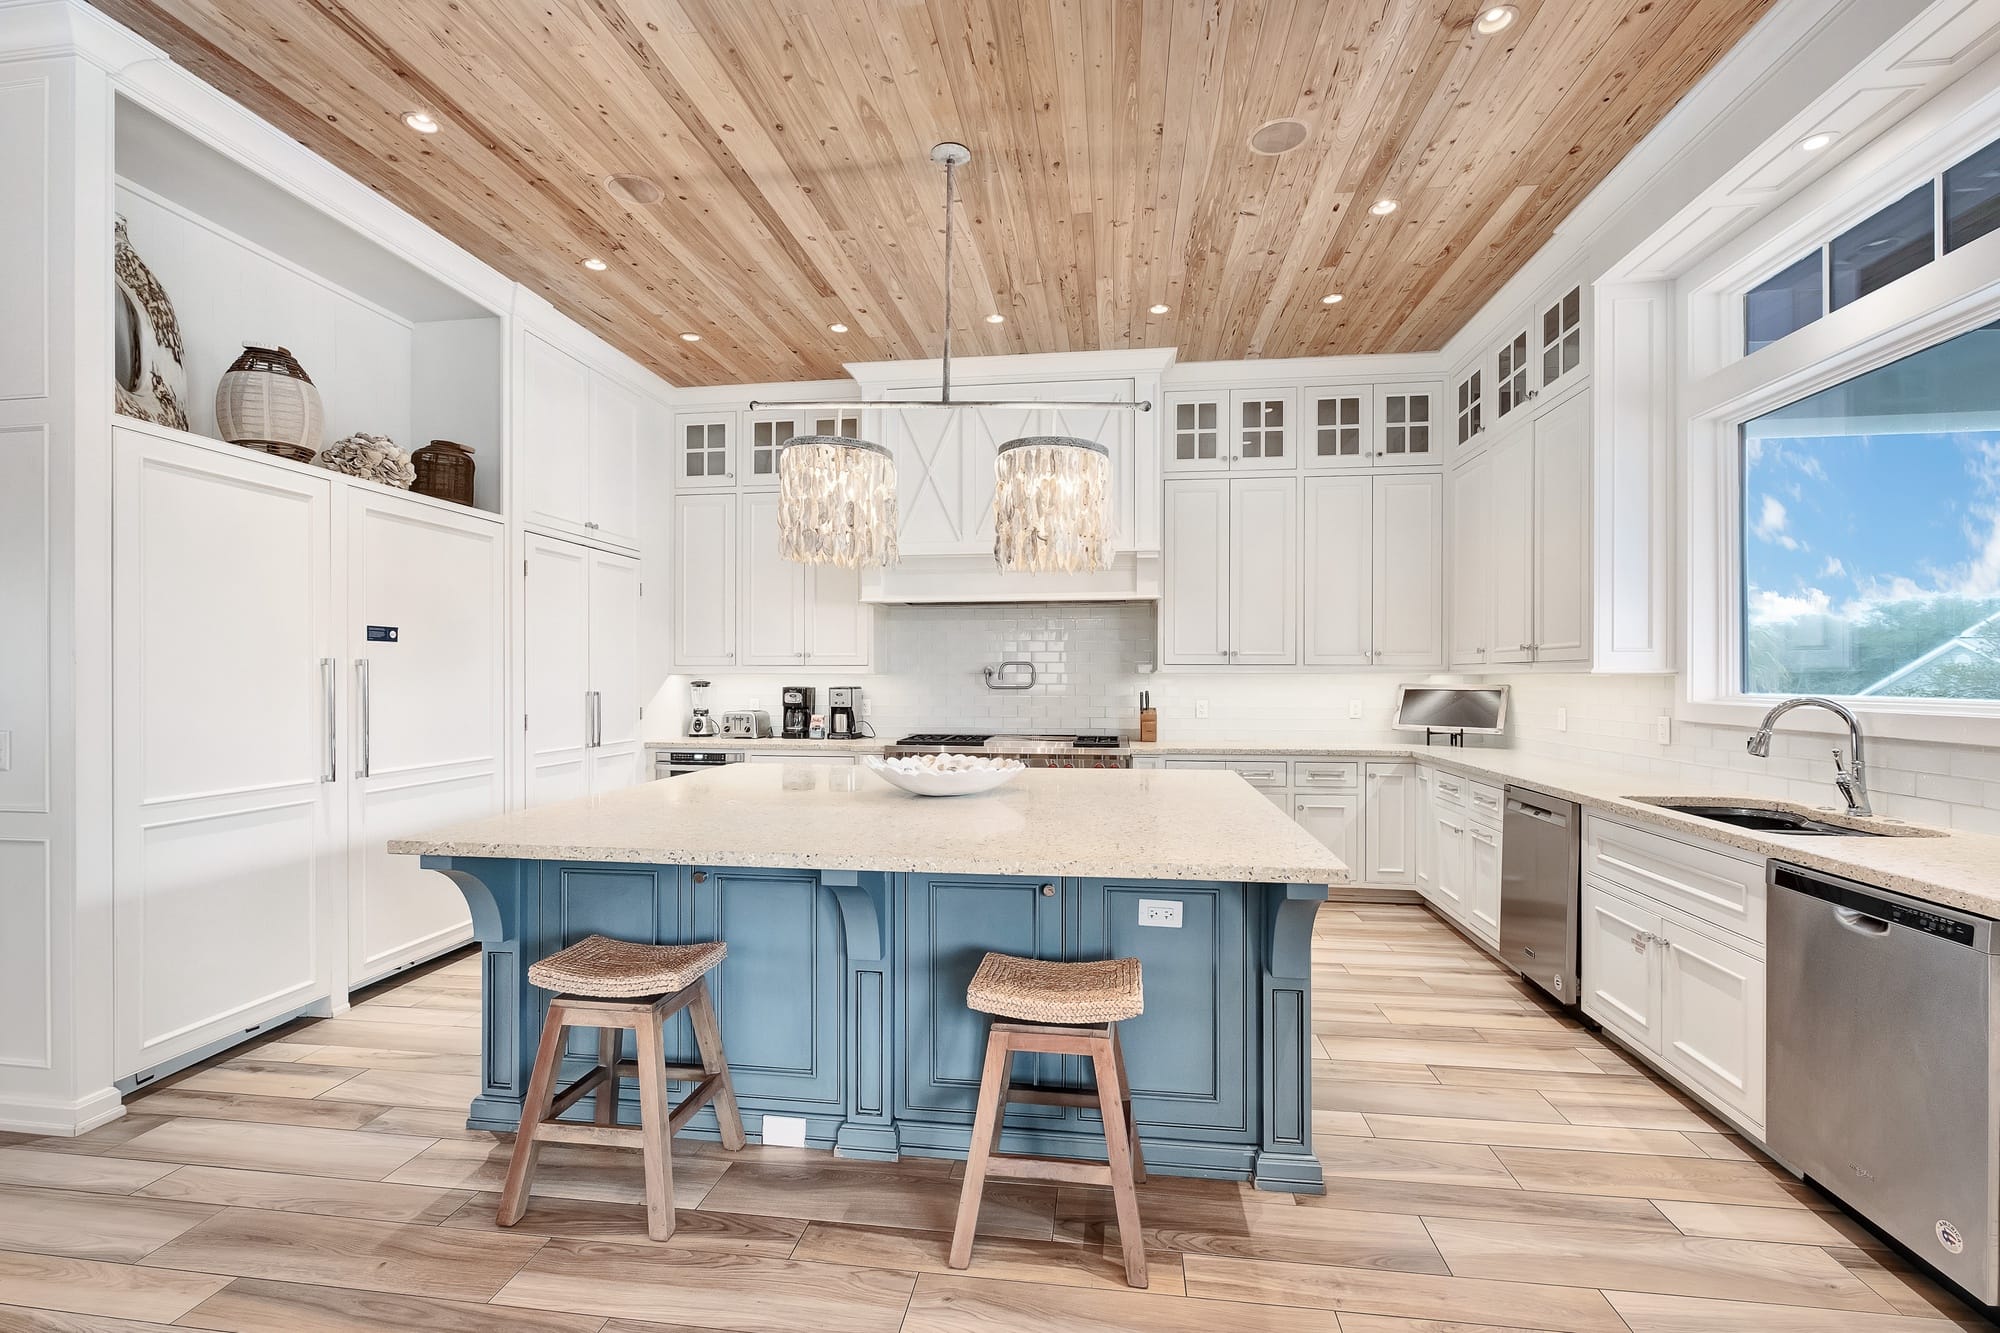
column 48, row 29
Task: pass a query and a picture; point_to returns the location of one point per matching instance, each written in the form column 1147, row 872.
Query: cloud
column 1766, row 606
column 1770, row 524
column 1832, row 569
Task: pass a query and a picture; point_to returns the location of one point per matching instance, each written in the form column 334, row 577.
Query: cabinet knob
column 701, row 877
column 1048, row 890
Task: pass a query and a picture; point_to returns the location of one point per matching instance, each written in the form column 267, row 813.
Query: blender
column 699, row 722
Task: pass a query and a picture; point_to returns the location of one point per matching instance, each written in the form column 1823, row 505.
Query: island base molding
column 842, row 1003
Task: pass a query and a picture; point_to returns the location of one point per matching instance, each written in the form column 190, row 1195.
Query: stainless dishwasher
column 1880, row 1061
column 1539, row 872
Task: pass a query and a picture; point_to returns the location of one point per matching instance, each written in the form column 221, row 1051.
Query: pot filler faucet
column 1851, row 778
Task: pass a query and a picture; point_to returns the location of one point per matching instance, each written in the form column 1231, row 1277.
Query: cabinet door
column 435, row 755
column 1510, row 559
column 1197, row 439
column 1406, row 426
column 705, row 580
column 1424, row 851
column 1712, row 1017
column 1408, row 539
column 771, row 603
column 557, row 685
column 704, row 444
column 1451, row 861
column 1512, row 364
column 1471, row 562
column 767, row 433
column 1621, row 965
column 1340, row 580
column 1263, row 429
column 1562, row 532
column 840, row 627
column 1264, row 571
column 228, row 854
column 1560, row 337
column 1392, row 823
column 1339, row 426
column 616, row 417
column 616, row 757
column 1194, row 610
column 1335, row 820
column 1482, row 881
column 1471, row 408
column 554, row 438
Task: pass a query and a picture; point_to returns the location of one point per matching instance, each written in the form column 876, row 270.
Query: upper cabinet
column 580, row 440
column 1534, row 578
column 1406, row 431
column 1221, row 430
column 739, row 603
column 1561, row 336
column 1543, row 353
column 1232, row 572
column 1324, row 427
column 704, row 443
column 1471, row 407
column 1373, row 547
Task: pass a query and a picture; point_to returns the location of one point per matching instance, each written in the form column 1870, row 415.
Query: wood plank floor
column 1491, row 1166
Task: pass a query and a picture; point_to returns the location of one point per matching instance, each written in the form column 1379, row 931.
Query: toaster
column 750, row 724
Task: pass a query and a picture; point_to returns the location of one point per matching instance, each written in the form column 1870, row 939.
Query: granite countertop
column 856, row 745
column 1135, row 824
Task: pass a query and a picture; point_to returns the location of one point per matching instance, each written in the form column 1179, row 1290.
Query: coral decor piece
column 370, row 457
column 151, row 380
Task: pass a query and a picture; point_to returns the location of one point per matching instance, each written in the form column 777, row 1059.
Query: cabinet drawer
column 1327, row 775
column 1449, row 789
column 1707, row 884
column 1262, row 772
column 1194, row 763
column 1485, row 802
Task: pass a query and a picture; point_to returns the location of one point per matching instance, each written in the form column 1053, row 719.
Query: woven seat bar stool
column 1056, row 1009
column 613, row 985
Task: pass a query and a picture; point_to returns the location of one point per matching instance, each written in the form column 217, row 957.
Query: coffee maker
column 844, row 712
column 798, row 701
column 700, row 722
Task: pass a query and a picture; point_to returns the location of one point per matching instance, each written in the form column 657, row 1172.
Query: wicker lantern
column 267, row 401
column 444, row 471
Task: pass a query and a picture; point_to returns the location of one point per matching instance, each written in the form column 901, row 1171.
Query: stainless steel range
column 1102, row 751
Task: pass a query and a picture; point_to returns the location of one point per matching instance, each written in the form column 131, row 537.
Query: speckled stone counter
column 855, row 914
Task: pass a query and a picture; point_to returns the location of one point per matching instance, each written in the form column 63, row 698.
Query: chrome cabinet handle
column 331, row 772
column 1048, row 890
column 593, row 719
column 361, row 697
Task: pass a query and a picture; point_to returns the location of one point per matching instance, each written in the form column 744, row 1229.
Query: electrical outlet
column 1160, row 912
column 1353, row 708
column 1663, row 730
column 1562, row 719
column 784, row 1131
column 6, row 750
column 1201, row 708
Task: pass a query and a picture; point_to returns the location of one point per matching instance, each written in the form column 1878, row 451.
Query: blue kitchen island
column 855, row 915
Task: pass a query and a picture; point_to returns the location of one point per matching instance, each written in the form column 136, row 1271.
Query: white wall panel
column 24, row 616
column 25, row 959
column 24, row 239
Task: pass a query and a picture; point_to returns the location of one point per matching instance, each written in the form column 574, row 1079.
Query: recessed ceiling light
column 1496, row 18
column 595, row 265
column 1812, row 143
column 423, row 122
column 1331, row 298
column 1382, row 208
column 634, row 189
column 838, row 328
column 1277, row 136
column 1157, row 309
column 690, row 337
column 996, row 319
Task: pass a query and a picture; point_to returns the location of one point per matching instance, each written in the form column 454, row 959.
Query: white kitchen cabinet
column 1423, row 867
column 1196, row 432
column 1712, row 1016
column 1620, row 966
column 765, row 435
column 705, row 591
column 1470, row 405
column 1407, row 431
column 1194, row 606
column 1449, row 895
column 1335, row 819
column 1482, row 881
column 1513, row 371
column 1340, row 582
column 789, row 614
column 704, row 445
column 1562, row 339
column 1562, row 549
column 1338, row 425
column 1406, row 577
column 1240, row 430
column 1510, row 545
column 1263, row 571
column 429, row 708
column 1390, row 803
column 840, row 627
column 618, row 431
column 581, row 674
column 554, row 438
column 1471, row 561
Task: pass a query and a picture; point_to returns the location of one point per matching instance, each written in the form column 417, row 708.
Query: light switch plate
column 6, row 751
column 1160, row 912
column 1562, row 719
column 1663, row 730
column 784, row 1131
column 1354, row 708
column 1201, row 708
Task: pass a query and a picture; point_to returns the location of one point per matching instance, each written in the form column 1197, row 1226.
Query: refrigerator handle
column 327, row 670
column 361, row 698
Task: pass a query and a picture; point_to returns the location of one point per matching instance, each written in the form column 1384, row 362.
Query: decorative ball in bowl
column 946, row 774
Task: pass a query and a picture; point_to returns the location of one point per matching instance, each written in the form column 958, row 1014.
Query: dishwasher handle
column 1860, row 922
column 1516, row 806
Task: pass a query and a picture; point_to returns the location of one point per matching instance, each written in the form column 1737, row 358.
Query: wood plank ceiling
column 1110, row 170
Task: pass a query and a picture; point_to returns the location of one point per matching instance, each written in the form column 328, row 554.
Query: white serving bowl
column 946, row 774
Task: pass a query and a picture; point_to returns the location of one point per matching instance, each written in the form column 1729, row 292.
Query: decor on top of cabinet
column 151, row 379
column 1049, row 510
column 444, row 471
column 370, row 457
column 836, row 502
column 266, row 401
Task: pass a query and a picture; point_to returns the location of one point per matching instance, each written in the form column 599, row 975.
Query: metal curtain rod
column 952, row 156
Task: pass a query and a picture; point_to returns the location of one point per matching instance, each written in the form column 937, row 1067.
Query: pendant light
column 1049, row 505
column 836, row 502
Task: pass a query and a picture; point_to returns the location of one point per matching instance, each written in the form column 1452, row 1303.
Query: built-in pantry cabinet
column 582, row 687
column 580, row 439
column 1231, row 571
column 1373, row 550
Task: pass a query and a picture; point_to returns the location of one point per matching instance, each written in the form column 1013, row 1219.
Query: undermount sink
column 1773, row 818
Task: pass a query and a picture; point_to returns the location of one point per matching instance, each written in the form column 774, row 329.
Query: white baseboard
column 59, row 1119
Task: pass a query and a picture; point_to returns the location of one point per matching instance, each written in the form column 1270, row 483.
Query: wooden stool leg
column 985, row 1133
column 1131, row 1120
column 605, row 1100
column 1118, row 1155
column 656, row 1143
column 708, row 1039
column 534, row 1110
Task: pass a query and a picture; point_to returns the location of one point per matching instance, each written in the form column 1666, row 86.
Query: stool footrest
column 1015, row 1167
column 1023, row 1092
column 702, row 1093
column 609, row 1136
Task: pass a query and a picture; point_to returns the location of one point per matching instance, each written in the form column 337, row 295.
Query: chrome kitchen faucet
column 1850, row 777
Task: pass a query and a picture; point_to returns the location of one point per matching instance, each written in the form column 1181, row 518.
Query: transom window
column 1870, row 545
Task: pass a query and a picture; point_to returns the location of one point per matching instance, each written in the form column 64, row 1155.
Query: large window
column 1870, row 551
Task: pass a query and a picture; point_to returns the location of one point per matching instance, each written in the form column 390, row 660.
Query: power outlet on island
column 784, row 1131
column 1160, row 912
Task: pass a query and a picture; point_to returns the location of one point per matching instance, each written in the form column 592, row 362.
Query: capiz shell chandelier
column 1050, row 510
column 836, row 502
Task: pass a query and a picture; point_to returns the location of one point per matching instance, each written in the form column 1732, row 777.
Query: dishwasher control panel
column 1896, row 911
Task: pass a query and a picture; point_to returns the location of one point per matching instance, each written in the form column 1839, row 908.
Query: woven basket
column 444, row 471
column 266, row 401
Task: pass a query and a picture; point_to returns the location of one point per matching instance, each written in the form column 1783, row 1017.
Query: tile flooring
column 1490, row 1166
